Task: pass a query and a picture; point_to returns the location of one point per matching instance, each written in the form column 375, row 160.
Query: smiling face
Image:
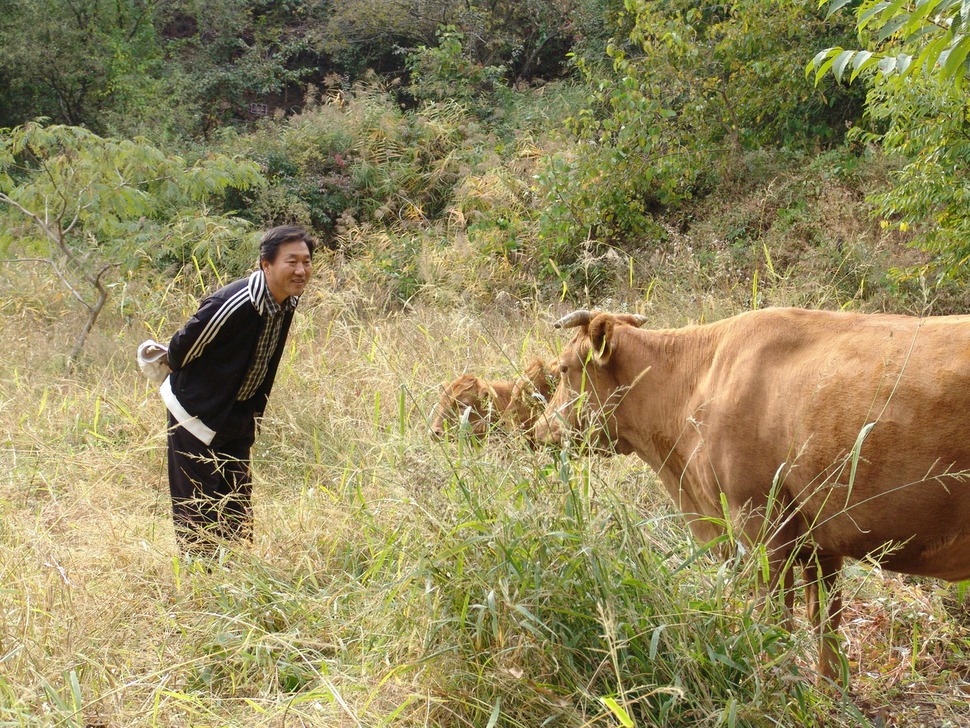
column 288, row 273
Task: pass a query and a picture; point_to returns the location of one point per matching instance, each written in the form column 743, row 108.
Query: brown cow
column 828, row 435
column 514, row 405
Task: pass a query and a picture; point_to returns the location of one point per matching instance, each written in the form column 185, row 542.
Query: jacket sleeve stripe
column 215, row 324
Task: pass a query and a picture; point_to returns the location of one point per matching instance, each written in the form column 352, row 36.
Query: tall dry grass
column 393, row 580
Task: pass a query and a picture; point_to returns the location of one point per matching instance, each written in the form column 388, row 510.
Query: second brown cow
column 481, row 404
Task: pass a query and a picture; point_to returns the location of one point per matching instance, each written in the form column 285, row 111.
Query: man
column 223, row 364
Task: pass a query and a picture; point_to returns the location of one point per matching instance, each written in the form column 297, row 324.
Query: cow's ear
column 601, row 338
column 633, row 319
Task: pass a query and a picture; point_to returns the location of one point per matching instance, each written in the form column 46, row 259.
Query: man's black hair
column 272, row 240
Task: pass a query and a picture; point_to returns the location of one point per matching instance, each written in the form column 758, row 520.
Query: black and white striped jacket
column 211, row 354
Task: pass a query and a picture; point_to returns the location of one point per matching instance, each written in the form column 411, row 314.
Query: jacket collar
column 263, row 300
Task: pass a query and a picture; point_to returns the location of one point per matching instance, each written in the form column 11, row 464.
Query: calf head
column 588, row 391
column 531, row 392
column 470, row 399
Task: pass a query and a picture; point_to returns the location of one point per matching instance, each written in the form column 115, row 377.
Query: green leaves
column 449, row 72
column 900, row 39
column 838, row 60
column 93, row 185
column 914, row 55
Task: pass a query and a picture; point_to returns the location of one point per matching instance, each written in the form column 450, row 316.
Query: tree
column 74, row 60
column 447, row 73
column 913, row 56
column 225, row 54
column 902, row 39
column 91, row 207
column 528, row 38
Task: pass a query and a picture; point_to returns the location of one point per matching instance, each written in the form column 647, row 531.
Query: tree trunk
column 93, row 313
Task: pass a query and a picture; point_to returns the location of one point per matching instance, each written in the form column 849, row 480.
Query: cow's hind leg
column 824, row 601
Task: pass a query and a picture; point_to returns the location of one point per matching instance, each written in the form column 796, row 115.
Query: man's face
column 289, row 273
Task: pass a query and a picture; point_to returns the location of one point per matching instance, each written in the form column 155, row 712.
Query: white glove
column 153, row 360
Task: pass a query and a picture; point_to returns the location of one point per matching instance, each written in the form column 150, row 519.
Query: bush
column 446, row 73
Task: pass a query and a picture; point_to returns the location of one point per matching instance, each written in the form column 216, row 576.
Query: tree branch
column 57, row 240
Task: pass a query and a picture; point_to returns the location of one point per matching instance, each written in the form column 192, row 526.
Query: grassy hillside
column 395, row 580
column 687, row 170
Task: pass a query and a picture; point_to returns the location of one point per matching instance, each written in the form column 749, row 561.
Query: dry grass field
column 394, row 580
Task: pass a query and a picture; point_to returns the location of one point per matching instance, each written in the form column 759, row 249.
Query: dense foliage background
column 553, row 145
column 471, row 168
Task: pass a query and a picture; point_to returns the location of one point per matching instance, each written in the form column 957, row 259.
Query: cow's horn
column 576, row 318
column 641, row 320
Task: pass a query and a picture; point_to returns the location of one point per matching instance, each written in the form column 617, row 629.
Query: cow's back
column 788, row 396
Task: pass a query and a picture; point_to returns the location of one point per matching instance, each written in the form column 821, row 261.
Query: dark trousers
column 211, row 485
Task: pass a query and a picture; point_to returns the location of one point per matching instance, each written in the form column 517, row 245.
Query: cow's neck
column 662, row 370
